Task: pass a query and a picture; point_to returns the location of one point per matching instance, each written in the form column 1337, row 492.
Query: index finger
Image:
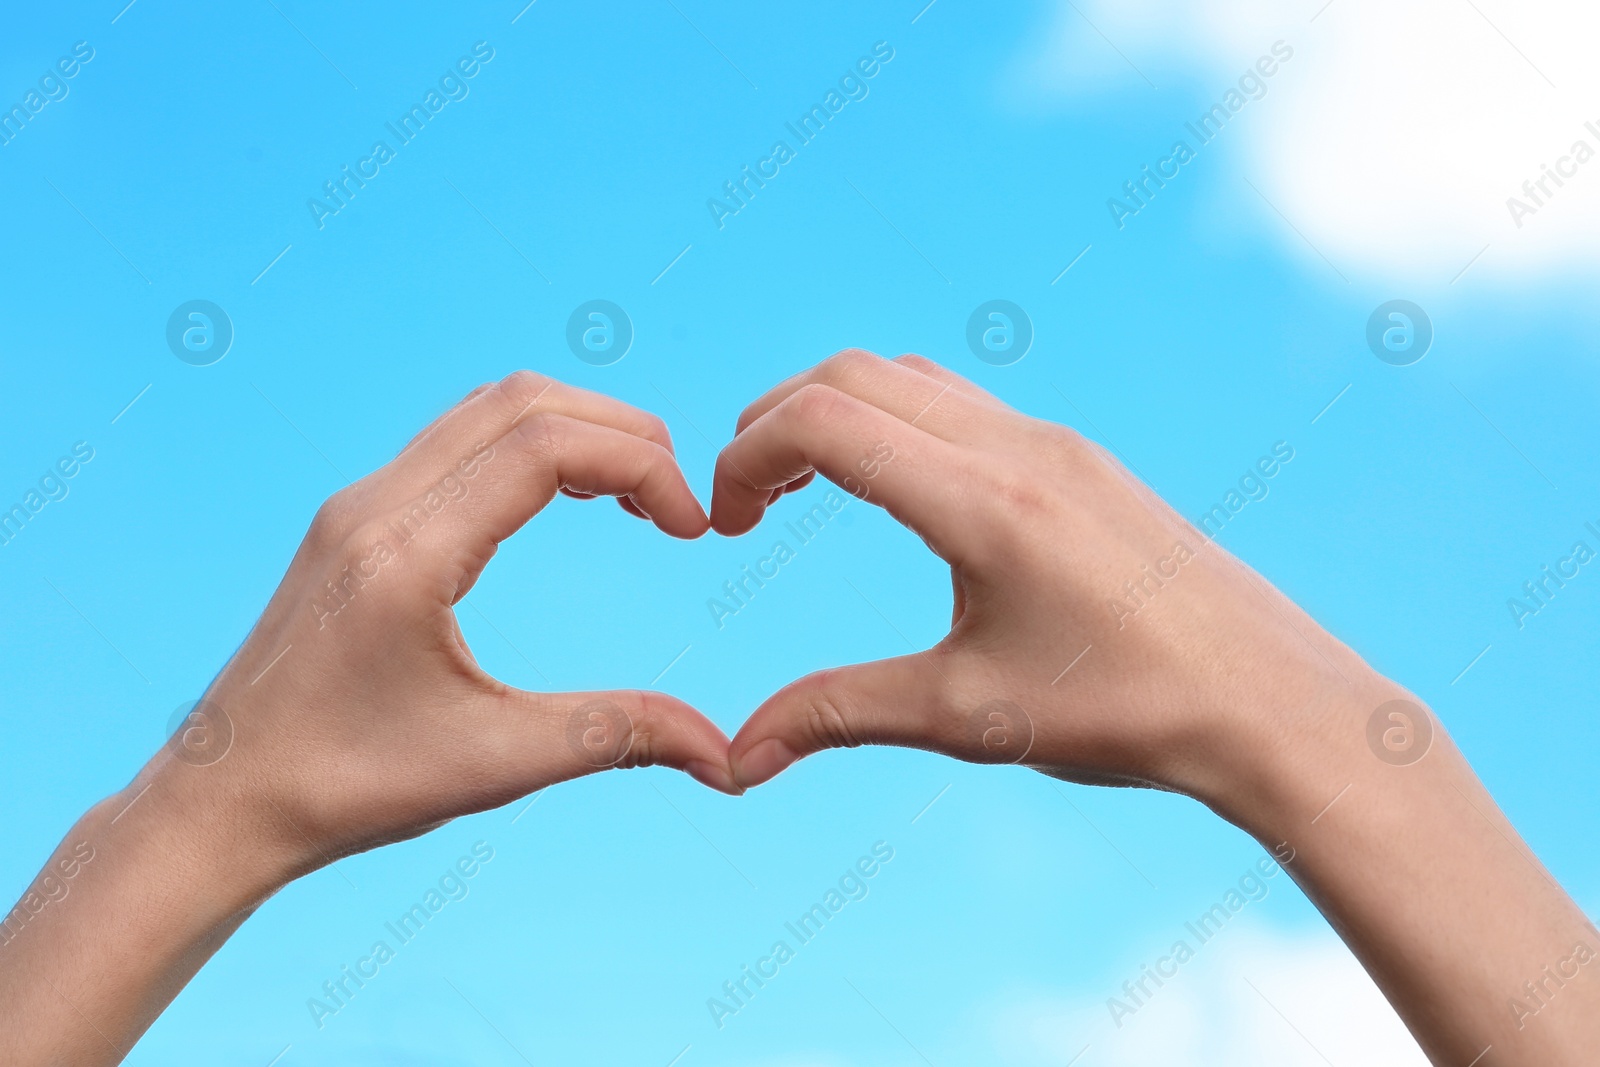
column 926, row 483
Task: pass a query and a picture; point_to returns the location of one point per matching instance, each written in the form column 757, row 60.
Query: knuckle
column 360, row 569
column 1059, row 449
column 916, row 362
column 656, row 459
column 656, row 431
column 1101, row 457
column 643, row 750
column 1084, row 460
column 1063, row 443
column 728, row 471
column 641, row 747
column 825, row 723
column 522, row 388
column 815, row 403
column 602, row 731
column 848, row 365
column 367, row 537
column 366, row 550
column 334, row 520
column 542, row 437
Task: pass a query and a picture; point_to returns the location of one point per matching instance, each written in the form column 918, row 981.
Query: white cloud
column 1395, row 136
column 1249, row 996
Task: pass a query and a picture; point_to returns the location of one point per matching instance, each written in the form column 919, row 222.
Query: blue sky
column 1223, row 318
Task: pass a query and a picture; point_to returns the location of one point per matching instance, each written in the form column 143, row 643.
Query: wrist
column 1305, row 748
column 140, row 892
column 207, row 826
column 1366, row 802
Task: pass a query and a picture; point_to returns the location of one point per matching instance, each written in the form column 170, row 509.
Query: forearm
column 1411, row 861
column 140, row 893
column 323, row 736
column 1199, row 678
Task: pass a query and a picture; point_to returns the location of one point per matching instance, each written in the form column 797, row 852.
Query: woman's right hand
column 1099, row 637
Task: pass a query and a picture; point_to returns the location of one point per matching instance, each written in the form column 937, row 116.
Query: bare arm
column 1100, row 638
column 353, row 716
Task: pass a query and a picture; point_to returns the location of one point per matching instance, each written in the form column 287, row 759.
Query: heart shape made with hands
column 849, row 418
column 342, row 689
column 774, row 454
column 357, row 715
column 1096, row 635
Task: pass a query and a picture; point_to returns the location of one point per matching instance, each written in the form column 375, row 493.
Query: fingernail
column 709, row 774
column 764, row 762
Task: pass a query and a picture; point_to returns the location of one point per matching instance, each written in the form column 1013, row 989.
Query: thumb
column 568, row 735
column 902, row 701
